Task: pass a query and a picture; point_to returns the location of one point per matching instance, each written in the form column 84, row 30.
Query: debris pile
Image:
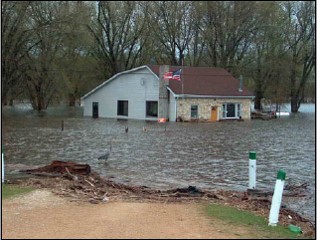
column 60, row 167
column 78, row 183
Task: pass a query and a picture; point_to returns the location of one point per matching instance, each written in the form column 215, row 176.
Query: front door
column 95, row 111
column 214, row 114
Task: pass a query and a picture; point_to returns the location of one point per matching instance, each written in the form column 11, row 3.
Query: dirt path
column 41, row 214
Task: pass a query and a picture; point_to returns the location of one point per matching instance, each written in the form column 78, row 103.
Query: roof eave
column 210, row 96
column 114, row 77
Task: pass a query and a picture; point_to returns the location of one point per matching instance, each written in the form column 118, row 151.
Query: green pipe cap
column 294, row 228
column 252, row 155
column 281, row 175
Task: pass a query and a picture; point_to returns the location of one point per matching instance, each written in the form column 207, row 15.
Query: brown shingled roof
column 205, row 81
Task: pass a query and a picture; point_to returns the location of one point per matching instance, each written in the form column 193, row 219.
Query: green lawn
column 258, row 225
column 8, row 190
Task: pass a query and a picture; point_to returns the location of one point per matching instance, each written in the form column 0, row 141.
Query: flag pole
column 182, row 77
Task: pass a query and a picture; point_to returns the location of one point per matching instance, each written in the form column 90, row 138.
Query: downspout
column 176, row 109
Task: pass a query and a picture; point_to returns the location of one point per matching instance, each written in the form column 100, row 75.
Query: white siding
column 172, row 108
column 125, row 87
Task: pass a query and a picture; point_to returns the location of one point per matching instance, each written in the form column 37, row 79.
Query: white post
column 277, row 198
column 252, row 170
column 2, row 165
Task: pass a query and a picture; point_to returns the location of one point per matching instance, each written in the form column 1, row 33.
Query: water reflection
column 168, row 155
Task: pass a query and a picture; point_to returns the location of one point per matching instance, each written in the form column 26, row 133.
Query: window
column 95, row 112
column 194, row 111
column 231, row 110
column 151, row 108
column 122, row 108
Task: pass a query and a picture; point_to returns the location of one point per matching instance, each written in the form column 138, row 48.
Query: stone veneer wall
column 205, row 104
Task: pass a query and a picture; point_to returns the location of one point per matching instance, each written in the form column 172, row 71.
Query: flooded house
column 145, row 93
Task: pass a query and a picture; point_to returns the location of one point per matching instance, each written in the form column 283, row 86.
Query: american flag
column 176, row 75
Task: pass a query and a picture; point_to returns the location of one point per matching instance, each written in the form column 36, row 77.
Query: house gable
column 116, row 76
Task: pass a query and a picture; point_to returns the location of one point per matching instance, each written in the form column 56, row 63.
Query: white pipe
column 277, row 198
column 2, row 166
column 252, row 170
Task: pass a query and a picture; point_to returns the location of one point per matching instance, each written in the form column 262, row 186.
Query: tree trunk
column 71, row 100
column 294, row 104
column 257, row 100
column 293, row 95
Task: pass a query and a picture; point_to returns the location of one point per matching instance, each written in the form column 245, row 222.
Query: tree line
column 59, row 50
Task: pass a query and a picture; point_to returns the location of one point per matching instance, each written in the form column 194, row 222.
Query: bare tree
column 46, row 41
column 74, row 64
column 196, row 47
column 117, row 30
column 172, row 25
column 265, row 59
column 228, row 28
column 13, row 47
column 300, row 37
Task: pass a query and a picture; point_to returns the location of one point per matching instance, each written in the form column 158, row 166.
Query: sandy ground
column 42, row 215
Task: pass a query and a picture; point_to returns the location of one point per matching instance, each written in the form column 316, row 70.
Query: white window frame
column 194, row 105
column 237, row 110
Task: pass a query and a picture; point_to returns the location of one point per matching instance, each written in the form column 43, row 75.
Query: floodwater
column 169, row 155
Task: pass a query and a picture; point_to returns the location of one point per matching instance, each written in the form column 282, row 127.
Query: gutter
column 205, row 96
column 210, row 96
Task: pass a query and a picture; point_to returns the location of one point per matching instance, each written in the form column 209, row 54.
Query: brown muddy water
column 168, row 155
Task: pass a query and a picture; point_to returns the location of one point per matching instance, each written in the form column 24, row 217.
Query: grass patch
column 258, row 225
column 8, row 191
